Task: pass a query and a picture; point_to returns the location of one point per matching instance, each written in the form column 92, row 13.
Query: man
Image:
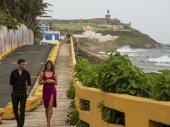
column 20, row 84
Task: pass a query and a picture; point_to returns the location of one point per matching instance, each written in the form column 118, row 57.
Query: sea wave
column 162, row 59
column 163, row 64
column 128, row 49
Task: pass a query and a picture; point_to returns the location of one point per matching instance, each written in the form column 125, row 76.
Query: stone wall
column 92, row 58
column 10, row 39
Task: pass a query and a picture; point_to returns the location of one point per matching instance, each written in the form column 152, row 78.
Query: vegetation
column 111, row 116
column 71, row 92
column 86, row 73
column 72, row 117
column 7, row 20
column 161, row 86
column 118, row 75
column 73, row 114
column 14, row 12
column 82, row 124
column 135, row 39
column 78, row 26
column 86, row 43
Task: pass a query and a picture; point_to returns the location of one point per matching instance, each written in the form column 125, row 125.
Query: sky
column 149, row 16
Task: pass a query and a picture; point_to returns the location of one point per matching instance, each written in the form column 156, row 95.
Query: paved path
column 64, row 73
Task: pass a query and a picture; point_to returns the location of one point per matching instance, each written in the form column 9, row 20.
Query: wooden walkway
column 37, row 117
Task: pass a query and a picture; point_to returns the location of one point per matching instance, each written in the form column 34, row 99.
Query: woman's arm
column 55, row 81
column 41, row 82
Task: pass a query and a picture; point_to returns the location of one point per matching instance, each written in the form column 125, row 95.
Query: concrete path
column 37, row 118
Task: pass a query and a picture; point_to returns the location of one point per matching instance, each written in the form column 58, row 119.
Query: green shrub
column 72, row 118
column 111, row 115
column 72, row 105
column 82, row 124
column 86, row 73
column 118, row 75
column 161, row 87
column 71, row 92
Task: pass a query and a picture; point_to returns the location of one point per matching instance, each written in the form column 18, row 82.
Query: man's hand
column 11, row 89
column 28, row 90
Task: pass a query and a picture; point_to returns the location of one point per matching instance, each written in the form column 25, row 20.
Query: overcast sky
column 149, row 16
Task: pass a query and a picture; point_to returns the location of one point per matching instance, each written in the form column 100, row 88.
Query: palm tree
column 25, row 11
column 31, row 9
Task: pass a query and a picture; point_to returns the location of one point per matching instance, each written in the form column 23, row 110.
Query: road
column 35, row 55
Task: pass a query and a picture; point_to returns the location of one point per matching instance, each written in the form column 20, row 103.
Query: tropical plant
column 118, row 75
column 23, row 11
column 161, row 87
column 72, row 105
column 111, row 115
column 86, row 73
column 71, row 92
column 82, row 124
column 72, row 117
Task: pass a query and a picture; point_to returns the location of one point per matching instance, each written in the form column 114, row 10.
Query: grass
column 136, row 39
column 79, row 26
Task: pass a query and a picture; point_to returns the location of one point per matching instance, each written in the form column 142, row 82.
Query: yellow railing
column 139, row 112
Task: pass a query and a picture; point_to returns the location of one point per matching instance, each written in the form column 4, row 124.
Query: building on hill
column 87, row 29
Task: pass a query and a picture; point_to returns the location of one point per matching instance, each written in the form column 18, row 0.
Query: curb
column 10, row 51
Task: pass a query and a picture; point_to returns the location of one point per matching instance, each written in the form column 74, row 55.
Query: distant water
column 150, row 60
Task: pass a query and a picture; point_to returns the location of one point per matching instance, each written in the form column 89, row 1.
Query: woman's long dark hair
column 52, row 66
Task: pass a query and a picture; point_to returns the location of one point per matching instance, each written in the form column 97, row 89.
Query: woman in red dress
column 48, row 79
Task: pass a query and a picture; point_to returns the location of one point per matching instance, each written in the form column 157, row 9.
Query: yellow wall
column 139, row 112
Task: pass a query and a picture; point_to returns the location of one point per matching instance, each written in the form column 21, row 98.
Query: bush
column 161, row 87
column 112, row 116
column 118, row 75
column 72, row 117
column 82, row 124
column 71, row 92
column 86, row 73
column 72, row 105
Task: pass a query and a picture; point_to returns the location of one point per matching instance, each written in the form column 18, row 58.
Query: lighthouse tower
column 108, row 16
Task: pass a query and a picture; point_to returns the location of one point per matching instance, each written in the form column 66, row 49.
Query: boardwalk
column 36, row 118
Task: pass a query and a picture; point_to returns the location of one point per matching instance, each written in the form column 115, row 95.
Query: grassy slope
column 79, row 26
column 137, row 39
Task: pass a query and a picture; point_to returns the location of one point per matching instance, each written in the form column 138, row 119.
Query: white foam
column 163, row 64
column 102, row 52
column 128, row 49
column 162, row 59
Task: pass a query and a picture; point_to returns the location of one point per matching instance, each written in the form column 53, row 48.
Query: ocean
column 149, row 60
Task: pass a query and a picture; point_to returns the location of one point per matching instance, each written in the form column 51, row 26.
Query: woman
column 48, row 80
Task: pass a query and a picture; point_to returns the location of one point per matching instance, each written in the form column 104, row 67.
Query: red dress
column 48, row 90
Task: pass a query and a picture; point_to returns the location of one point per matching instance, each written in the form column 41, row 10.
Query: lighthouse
column 108, row 16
